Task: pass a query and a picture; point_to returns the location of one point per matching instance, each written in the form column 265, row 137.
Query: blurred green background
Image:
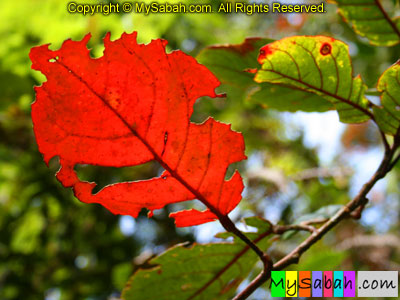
column 54, row 247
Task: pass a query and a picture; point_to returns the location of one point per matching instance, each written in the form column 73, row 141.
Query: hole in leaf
column 231, row 170
column 397, row 107
column 104, row 176
column 96, row 51
column 191, row 204
column 205, row 107
column 53, row 60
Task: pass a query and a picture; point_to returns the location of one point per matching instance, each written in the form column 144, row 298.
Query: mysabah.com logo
column 334, row 284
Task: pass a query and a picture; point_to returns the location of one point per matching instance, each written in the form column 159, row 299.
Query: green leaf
column 388, row 114
column 230, row 64
column 319, row 65
column 211, row 271
column 372, row 19
column 259, row 223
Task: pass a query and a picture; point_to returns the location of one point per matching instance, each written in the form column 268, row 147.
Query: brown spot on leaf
column 325, row 49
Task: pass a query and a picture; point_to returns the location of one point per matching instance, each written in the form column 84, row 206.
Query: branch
column 346, row 211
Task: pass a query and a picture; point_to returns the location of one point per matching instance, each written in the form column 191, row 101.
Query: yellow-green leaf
column 230, row 64
column 319, row 65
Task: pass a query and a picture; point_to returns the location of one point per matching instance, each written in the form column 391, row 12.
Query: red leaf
column 131, row 106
